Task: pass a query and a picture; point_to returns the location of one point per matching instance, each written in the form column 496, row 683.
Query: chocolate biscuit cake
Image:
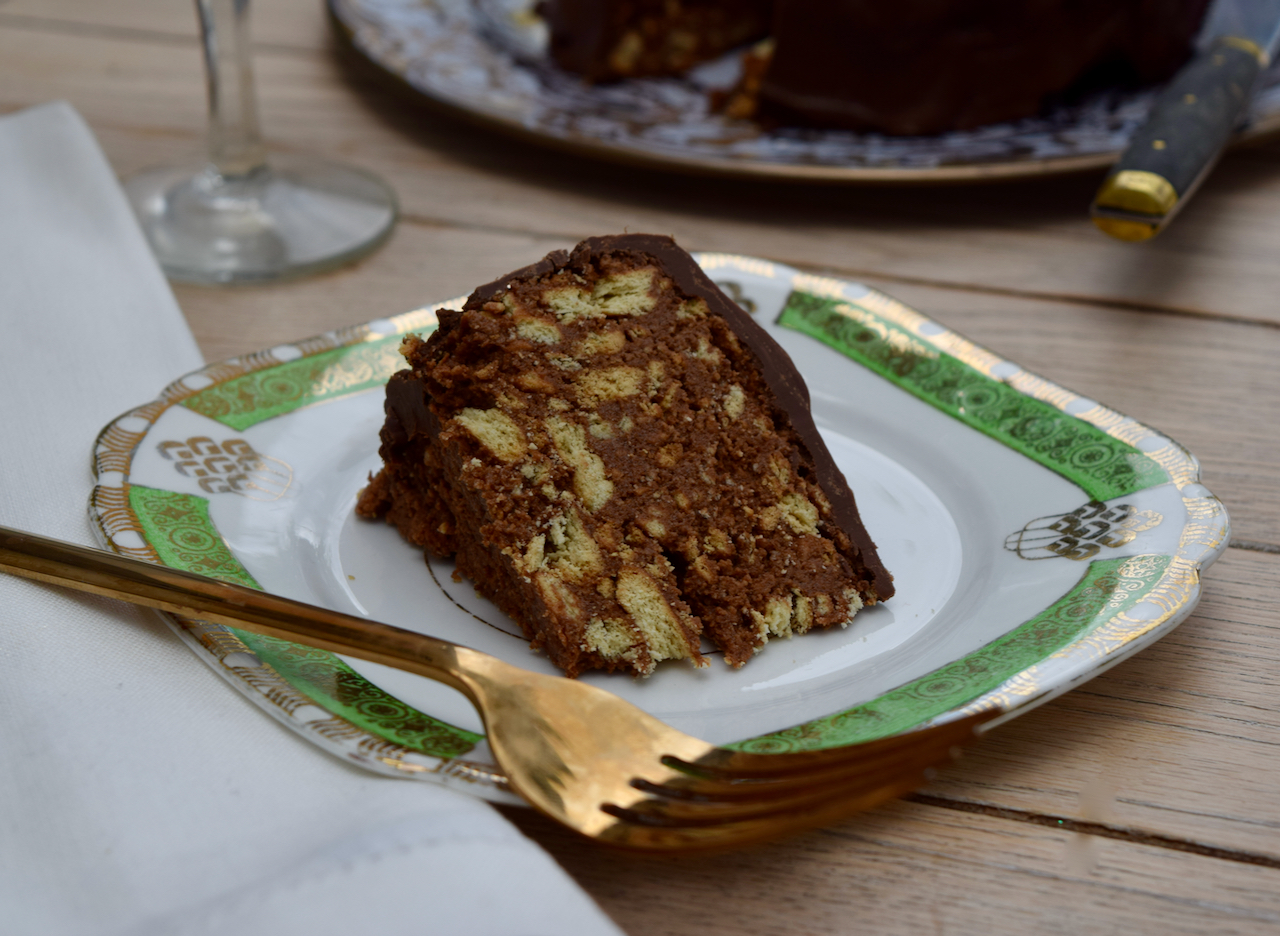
column 901, row 68
column 623, row 461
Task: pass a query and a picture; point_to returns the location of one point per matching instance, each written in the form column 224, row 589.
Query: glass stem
column 235, row 143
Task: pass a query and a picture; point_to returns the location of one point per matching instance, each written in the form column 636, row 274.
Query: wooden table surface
column 1146, row 801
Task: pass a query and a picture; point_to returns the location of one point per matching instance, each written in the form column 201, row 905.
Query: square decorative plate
column 1036, row 536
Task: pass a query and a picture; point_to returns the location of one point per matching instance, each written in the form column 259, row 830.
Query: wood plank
column 1030, row 239
column 914, row 868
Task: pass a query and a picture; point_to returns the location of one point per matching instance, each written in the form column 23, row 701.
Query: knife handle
column 1170, row 154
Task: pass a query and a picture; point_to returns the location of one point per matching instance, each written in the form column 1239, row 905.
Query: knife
column 1190, row 122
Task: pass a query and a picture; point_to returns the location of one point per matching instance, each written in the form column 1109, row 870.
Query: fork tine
column 727, row 766
column 722, row 808
column 696, row 791
column 797, row 774
column 661, row 809
column 699, row 789
column 635, row 830
column 698, row 801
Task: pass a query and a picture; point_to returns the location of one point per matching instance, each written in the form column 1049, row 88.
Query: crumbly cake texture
column 633, row 38
column 623, row 461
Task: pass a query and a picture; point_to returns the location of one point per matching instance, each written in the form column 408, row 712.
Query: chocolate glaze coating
column 779, row 371
column 928, row 66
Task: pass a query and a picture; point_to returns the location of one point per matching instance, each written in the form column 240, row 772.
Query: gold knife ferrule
column 1132, row 231
column 1247, row 45
column 1138, row 191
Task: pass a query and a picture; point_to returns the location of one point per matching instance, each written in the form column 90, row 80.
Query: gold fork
column 575, row 752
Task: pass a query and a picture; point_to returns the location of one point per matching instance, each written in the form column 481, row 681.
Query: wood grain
column 1170, row 757
column 909, row 868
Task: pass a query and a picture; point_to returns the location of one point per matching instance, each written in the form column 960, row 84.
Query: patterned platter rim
column 1118, row 606
column 378, row 46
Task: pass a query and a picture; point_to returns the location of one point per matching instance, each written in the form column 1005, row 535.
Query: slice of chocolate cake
column 623, row 461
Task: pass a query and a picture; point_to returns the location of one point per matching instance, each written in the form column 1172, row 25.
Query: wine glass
column 239, row 217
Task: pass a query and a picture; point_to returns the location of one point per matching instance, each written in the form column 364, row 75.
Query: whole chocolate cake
column 906, row 67
column 624, row 462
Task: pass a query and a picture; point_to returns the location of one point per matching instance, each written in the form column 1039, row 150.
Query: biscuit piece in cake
column 623, row 461
column 608, row 39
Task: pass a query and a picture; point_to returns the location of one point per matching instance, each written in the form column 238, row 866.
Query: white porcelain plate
column 1036, row 537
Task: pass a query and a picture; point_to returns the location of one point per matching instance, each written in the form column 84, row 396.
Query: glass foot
column 288, row 218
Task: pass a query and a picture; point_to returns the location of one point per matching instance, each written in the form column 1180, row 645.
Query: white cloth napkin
column 139, row 794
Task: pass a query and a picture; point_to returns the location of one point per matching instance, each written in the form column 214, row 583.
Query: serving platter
column 1036, row 536
column 486, row 61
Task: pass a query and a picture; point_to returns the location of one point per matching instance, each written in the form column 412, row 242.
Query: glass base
column 289, row 218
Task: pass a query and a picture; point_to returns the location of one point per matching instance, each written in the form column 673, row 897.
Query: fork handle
column 155, row 586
